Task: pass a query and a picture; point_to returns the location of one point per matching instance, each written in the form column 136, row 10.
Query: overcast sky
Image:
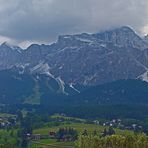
column 24, row 22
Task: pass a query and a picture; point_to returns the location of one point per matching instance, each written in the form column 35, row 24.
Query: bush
column 113, row 141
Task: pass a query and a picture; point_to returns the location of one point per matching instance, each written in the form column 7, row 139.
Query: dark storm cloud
column 44, row 20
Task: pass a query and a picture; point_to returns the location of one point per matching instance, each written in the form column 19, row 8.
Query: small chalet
column 52, row 134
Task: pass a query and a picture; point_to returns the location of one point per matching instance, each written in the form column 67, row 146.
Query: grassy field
column 8, row 136
column 35, row 98
column 45, row 142
column 57, row 116
column 4, row 115
column 78, row 126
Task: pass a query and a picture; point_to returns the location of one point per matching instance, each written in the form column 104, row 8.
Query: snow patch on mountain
column 103, row 45
column 84, row 40
column 144, row 76
column 71, row 86
column 61, row 85
column 42, row 68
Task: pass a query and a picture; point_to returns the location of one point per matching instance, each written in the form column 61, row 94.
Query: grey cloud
column 44, row 20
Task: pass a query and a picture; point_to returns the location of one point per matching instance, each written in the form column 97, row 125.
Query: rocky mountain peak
column 7, row 46
column 84, row 58
column 123, row 37
column 146, row 38
column 126, row 29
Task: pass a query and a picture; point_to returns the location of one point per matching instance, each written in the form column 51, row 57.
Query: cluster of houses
column 113, row 123
column 6, row 122
column 51, row 135
column 63, row 135
column 117, row 123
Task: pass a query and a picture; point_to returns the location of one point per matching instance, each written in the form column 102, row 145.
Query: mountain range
column 88, row 59
column 73, row 64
